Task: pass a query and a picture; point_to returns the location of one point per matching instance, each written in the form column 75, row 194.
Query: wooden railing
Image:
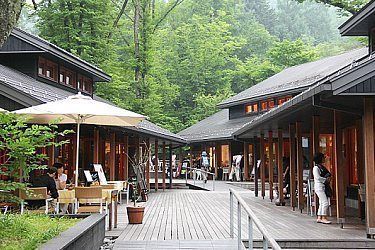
column 195, row 170
column 268, row 240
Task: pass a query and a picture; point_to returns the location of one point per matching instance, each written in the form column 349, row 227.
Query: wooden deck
column 179, row 216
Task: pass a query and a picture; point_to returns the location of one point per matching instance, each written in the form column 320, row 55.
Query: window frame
column 44, row 64
column 68, row 73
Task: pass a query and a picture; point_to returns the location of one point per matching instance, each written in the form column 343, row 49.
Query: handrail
column 252, row 219
column 194, row 175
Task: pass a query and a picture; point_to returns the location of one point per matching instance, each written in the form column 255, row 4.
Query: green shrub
column 29, row 231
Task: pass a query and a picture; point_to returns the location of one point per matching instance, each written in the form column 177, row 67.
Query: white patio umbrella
column 79, row 109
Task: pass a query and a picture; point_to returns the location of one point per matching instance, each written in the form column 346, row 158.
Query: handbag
column 325, row 173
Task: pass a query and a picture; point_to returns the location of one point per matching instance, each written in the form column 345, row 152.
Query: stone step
column 319, row 244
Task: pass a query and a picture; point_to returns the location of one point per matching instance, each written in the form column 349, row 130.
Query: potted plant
column 135, row 213
column 139, row 188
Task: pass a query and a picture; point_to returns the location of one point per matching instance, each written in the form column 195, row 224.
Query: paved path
column 183, row 217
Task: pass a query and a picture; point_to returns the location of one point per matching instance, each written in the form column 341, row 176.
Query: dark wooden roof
column 360, row 23
column 358, row 72
column 36, row 44
column 294, row 79
column 217, row 127
column 29, row 92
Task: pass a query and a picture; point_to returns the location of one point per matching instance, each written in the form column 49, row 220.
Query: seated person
column 45, row 180
column 62, row 178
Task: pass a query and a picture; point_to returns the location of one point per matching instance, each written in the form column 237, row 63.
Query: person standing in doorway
column 322, row 178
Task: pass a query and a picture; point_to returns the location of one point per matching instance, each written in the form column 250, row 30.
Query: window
column 281, row 100
column 271, row 104
column 251, row 108
column 47, row 69
column 248, row 109
column 84, row 84
column 67, row 77
column 263, row 106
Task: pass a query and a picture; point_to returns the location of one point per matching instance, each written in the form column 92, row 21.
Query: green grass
column 30, row 231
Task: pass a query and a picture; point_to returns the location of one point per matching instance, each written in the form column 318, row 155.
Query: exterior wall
column 236, row 112
column 25, row 63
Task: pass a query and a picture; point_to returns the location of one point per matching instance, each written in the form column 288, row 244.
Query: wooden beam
column 230, row 155
column 126, row 157
column 292, row 164
column 156, row 165
column 368, row 128
column 246, row 160
column 112, row 156
column 96, row 145
column 164, row 165
column 270, row 163
column 299, row 166
column 148, row 148
column 315, row 134
column 256, row 171
column 217, row 157
column 262, row 166
column 170, row 167
column 280, row 164
column 339, row 168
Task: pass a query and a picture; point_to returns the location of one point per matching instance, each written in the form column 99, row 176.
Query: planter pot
column 135, row 214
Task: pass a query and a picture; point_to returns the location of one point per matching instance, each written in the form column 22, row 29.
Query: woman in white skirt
column 322, row 177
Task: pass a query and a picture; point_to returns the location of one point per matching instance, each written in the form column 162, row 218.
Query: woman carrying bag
column 322, row 178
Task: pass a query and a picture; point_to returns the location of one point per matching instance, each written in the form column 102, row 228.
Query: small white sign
column 98, row 168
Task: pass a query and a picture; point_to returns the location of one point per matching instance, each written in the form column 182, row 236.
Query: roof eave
column 346, row 29
column 61, row 54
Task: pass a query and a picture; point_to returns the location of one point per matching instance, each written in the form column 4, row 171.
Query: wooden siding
column 236, row 112
column 25, row 63
column 367, row 86
column 15, row 44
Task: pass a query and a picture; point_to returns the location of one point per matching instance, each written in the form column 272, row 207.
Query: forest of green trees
column 174, row 60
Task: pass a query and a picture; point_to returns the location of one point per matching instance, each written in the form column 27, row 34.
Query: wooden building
column 329, row 109
column 34, row 71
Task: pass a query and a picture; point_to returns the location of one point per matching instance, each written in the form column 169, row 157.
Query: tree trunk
column 137, row 70
column 10, row 11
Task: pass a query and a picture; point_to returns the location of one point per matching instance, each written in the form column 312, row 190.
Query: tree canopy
column 175, row 60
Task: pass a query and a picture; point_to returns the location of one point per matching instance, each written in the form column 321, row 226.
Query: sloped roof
column 215, row 127
column 55, row 50
column 296, row 78
column 39, row 91
column 29, row 91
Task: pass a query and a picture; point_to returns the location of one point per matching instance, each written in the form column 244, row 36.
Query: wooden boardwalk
column 175, row 217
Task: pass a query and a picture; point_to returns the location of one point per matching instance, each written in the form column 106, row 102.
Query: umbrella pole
column 77, row 151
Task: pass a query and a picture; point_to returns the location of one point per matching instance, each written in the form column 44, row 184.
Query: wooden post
column 230, row 155
column 246, row 160
column 292, row 156
column 164, row 162
column 170, row 167
column 156, row 165
column 316, row 132
column 217, row 157
column 262, row 166
column 280, row 164
column 74, row 156
column 339, row 169
column 191, row 162
column 96, row 145
column 148, row 148
column 126, row 157
column 368, row 128
column 299, row 166
column 270, row 163
column 256, row 171
column 112, row 156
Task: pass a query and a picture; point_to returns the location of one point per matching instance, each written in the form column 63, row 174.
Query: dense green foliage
column 27, row 232
column 20, row 146
column 174, row 61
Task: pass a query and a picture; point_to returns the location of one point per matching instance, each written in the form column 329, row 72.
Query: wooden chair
column 92, row 197
column 39, row 193
column 109, row 186
column 66, row 197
